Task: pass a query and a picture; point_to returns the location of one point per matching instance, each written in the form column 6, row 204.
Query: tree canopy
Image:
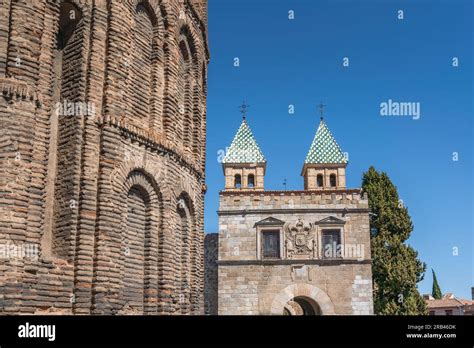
column 395, row 265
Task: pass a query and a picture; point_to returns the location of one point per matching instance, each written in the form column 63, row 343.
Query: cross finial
column 243, row 109
column 321, row 109
column 284, row 183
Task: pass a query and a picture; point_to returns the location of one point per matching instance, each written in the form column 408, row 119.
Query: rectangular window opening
column 270, row 244
column 331, row 244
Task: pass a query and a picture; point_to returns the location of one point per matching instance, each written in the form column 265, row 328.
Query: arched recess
column 237, row 181
column 302, row 290
column 199, row 136
column 140, row 239
column 146, row 67
column 332, row 180
column 69, row 107
column 319, row 180
column 186, row 86
column 187, row 295
column 198, row 104
column 182, row 50
column 251, row 181
column 302, row 305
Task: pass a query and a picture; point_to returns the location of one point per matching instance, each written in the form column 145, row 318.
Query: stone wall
column 254, row 289
column 249, row 284
column 239, row 212
column 97, row 176
column 211, row 244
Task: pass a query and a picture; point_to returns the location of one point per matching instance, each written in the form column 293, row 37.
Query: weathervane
column 243, row 109
column 321, row 109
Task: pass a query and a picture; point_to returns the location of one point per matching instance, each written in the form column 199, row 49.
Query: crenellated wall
column 336, row 199
column 96, row 177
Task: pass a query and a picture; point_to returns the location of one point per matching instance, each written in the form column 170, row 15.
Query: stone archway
column 301, row 305
column 302, row 298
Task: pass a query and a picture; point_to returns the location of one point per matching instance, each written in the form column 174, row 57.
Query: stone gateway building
column 102, row 150
column 291, row 252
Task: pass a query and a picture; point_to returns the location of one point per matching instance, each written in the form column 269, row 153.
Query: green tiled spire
column 244, row 148
column 324, row 148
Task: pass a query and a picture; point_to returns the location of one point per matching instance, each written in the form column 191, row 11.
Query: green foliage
column 436, row 292
column 395, row 265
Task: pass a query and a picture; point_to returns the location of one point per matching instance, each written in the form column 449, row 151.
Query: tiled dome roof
column 324, row 148
column 244, row 148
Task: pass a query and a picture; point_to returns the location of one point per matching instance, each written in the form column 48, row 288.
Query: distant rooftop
column 448, row 300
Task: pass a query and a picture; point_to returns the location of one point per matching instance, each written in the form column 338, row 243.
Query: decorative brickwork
column 102, row 151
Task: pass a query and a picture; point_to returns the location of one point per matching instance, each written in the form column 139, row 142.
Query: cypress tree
column 436, row 292
column 395, row 265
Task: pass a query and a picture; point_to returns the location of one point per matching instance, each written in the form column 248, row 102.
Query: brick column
column 85, row 241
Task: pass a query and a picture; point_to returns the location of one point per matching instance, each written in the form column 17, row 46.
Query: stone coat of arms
column 299, row 240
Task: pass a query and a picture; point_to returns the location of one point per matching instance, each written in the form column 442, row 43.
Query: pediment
column 331, row 220
column 270, row 221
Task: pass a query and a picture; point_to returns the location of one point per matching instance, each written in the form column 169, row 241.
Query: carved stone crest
column 299, row 240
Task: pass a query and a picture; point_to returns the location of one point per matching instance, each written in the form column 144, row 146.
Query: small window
column 332, row 180
column 319, row 180
column 449, row 312
column 331, row 244
column 432, row 312
column 270, row 244
column 237, row 181
column 251, row 180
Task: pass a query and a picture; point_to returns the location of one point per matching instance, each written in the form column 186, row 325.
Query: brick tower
column 102, row 150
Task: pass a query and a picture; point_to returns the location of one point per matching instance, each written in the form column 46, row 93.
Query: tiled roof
column 324, row 148
column 448, row 300
column 442, row 303
column 244, row 147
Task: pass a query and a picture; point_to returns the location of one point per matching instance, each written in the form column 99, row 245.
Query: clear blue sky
column 299, row 62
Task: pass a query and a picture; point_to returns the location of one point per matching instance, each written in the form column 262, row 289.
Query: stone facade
column 249, row 284
column 102, row 150
column 211, row 249
column 293, row 252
